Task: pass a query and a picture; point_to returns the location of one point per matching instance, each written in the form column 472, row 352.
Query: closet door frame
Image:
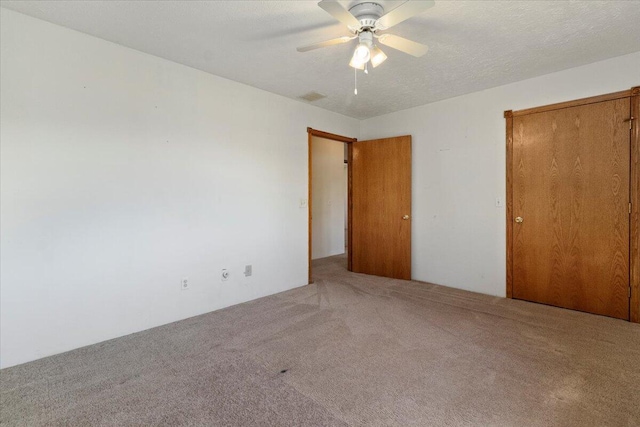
column 633, row 95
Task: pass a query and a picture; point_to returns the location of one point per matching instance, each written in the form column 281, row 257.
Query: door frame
column 634, row 216
column 344, row 139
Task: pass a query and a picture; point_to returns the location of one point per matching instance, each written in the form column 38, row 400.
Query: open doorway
column 328, row 197
column 378, row 204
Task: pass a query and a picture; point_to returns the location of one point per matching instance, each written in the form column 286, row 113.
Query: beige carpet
column 348, row 350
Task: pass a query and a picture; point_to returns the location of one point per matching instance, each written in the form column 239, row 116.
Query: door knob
column 405, row 217
column 519, row 219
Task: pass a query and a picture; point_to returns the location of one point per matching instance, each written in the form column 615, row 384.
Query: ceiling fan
column 364, row 20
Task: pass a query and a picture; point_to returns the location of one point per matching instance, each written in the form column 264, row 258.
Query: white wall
column 328, row 194
column 458, row 234
column 121, row 173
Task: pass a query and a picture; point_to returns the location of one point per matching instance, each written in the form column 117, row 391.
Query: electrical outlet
column 225, row 275
column 499, row 202
column 303, row 203
column 247, row 270
column 184, row 284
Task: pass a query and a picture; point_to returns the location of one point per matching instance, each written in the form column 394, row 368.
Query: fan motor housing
column 367, row 13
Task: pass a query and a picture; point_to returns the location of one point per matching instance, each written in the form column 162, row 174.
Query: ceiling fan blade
column 403, row 45
column 339, row 40
column 336, row 10
column 403, row 12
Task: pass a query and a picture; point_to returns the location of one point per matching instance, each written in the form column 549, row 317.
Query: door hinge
column 630, row 120
column 630, row 207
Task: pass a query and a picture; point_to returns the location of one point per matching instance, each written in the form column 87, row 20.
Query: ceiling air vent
column 313, row 96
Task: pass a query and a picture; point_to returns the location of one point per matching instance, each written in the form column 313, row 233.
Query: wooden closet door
column 571, row 207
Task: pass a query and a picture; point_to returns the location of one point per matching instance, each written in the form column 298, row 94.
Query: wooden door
column 381, row 207
column 570, row 194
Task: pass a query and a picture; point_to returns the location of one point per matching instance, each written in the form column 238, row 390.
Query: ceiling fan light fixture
column 364, row 19
column 361, row 55
column 355, row 64
column 377, row 56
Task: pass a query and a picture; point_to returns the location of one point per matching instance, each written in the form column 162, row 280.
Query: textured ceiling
column 474, row 45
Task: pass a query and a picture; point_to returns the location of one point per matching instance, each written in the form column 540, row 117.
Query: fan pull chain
column 366, row 68
column 355, row 91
